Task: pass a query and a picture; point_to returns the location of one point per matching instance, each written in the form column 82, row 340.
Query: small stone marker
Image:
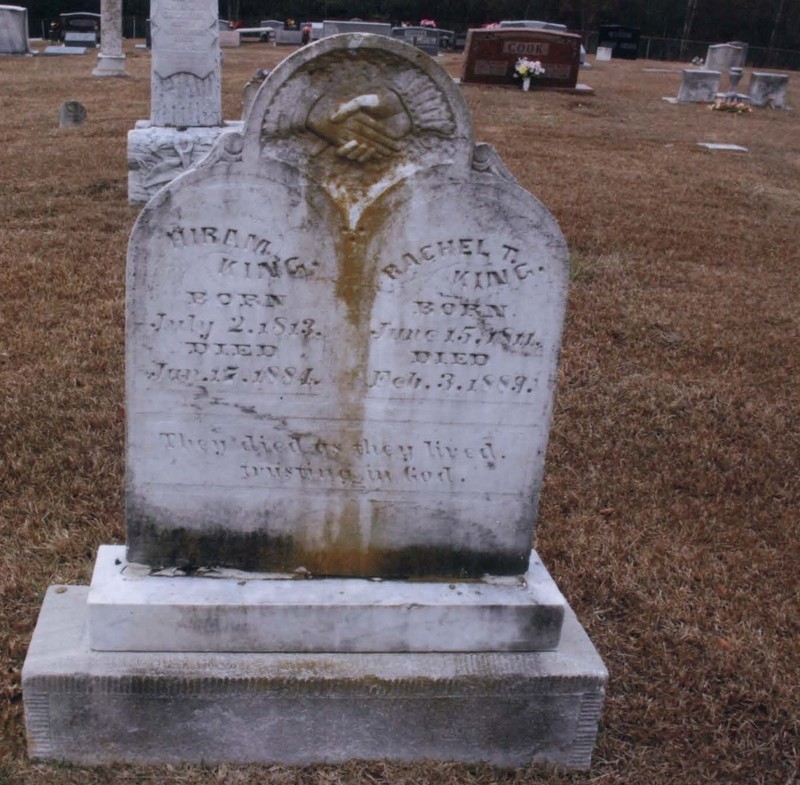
column 251, row 89
column 767, row 89
column 13, row 30
column 229, row 39
column 603, row 54
column 342, row 339
column 719, row 146
column 55, row 51
column 71, row 113
column 82, row 40
column 490, row 56
column 699, row 86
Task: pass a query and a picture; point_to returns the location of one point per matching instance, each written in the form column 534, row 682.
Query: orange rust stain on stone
column 356, row 288
column 357, row 281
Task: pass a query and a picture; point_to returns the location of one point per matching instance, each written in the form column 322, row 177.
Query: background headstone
column 621, row 39
column 229, row 38
column 13, row 30
column 740, row 60
column 71, row 113
column 699, row 86
column 186, row 64
column 766, row 89
column 534, row 24
column 490, row 56
column 288, row 36
column 723, row 57
column 81, row 40
column 425, row 38
column 337, row 27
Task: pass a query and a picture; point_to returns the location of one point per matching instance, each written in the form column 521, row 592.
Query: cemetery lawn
column 670, row 510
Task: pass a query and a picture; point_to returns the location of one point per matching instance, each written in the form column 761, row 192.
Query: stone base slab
column 110, row 65
column 130, row 610
column 158, row 154
column 88, row 707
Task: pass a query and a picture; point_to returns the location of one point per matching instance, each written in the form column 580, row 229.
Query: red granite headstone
column 490, row 56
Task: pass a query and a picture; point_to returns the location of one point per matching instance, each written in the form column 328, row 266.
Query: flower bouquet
column 729, row 105
column 526, row 70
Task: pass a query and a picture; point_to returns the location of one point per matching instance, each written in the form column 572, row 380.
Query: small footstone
column 718, row 146
column 71, row 113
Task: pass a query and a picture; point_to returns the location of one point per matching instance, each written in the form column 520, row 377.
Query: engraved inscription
column 236, row 312
column 462, row 323
column 278, row 459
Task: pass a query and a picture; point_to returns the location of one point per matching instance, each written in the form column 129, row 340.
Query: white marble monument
column 185, row 99
column 342, row 338
column 111, row 59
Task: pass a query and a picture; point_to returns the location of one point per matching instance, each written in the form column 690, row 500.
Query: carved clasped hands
column 362, row 128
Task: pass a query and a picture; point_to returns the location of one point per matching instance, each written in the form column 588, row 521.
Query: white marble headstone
column 342, row 335
column 13, row 30
column 185, row 83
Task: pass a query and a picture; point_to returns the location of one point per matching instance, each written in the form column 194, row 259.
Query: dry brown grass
column 670, row 512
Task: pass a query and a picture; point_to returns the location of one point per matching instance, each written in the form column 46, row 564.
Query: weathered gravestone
column 14, row 30
column 342, row 336
column 185, row 98
column 490, row 56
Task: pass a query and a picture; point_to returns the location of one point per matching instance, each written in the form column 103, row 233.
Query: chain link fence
column 677, row 50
